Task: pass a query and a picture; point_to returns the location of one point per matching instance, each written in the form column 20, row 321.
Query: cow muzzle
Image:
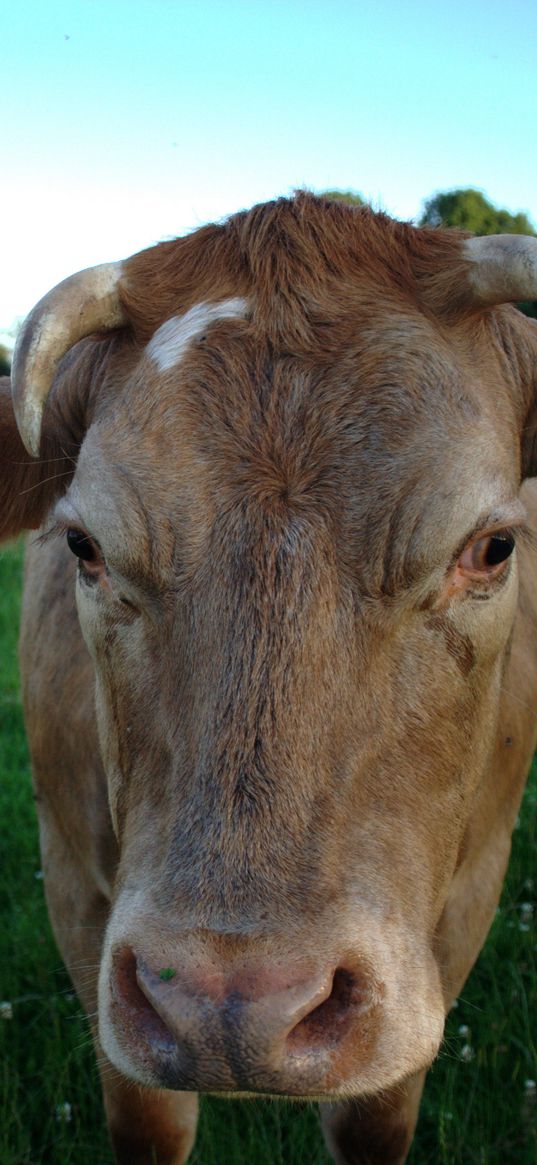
column 193, row 1020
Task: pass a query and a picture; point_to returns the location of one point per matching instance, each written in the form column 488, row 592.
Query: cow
column 279, row 652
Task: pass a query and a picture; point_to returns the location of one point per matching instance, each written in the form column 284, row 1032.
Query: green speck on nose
column 167, row 973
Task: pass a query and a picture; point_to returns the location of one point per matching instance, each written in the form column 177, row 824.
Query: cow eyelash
column 57, row 530
column 61, row 528
column 76, row 538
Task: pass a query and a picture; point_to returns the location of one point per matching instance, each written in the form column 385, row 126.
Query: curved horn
column 84, row 303
column 504, row 268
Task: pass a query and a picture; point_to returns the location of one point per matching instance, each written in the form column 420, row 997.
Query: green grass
column 475, row 1111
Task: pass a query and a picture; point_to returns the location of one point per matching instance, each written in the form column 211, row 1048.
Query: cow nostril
column 327, row 1023
column 138, row 1016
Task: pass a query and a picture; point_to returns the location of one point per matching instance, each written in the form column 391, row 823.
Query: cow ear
column 39, row 442
column 527, row 371
column 503, row 269
column 27, row 486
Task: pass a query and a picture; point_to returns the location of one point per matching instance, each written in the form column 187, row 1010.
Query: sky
column 128, row 121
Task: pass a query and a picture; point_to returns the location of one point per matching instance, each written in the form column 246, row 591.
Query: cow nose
column 262, row 1031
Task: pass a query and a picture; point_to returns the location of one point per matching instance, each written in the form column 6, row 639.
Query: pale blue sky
column 126, row 121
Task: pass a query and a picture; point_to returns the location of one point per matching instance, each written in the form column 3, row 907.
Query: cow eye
column 82, row 545
column 92, row 567
column 488, row 556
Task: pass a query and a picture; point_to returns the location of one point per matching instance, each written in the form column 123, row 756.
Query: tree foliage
column 470, row 210
column 5, row 362
column 350, row 196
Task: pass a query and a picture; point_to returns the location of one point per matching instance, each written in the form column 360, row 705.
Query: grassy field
column 479, row 1108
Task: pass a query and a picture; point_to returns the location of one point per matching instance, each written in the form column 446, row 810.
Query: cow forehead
column 216, row 386
column 368, row 393
column 381, row 432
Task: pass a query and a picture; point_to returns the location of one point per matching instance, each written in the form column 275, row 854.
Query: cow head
column 295, row 508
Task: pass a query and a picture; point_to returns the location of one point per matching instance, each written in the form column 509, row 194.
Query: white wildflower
column 64, row 1112
column 6, row 1010
column 467, row 1053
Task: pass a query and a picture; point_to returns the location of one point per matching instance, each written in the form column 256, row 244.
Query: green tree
column 5, row 361
column 470, row 210
column 351, row 196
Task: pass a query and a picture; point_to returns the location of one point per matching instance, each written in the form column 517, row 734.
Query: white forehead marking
column 168, row 344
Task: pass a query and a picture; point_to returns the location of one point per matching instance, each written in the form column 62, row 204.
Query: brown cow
column 280, row 744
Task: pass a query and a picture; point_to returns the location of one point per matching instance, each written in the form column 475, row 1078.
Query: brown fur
column 293, row 775
column 307, row 258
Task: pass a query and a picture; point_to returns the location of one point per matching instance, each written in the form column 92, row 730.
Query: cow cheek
column 121, row 690
column 437, row 741
column 487, row 619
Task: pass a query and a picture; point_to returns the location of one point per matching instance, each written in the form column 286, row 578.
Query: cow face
column 297, row 581
column 296, row 514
